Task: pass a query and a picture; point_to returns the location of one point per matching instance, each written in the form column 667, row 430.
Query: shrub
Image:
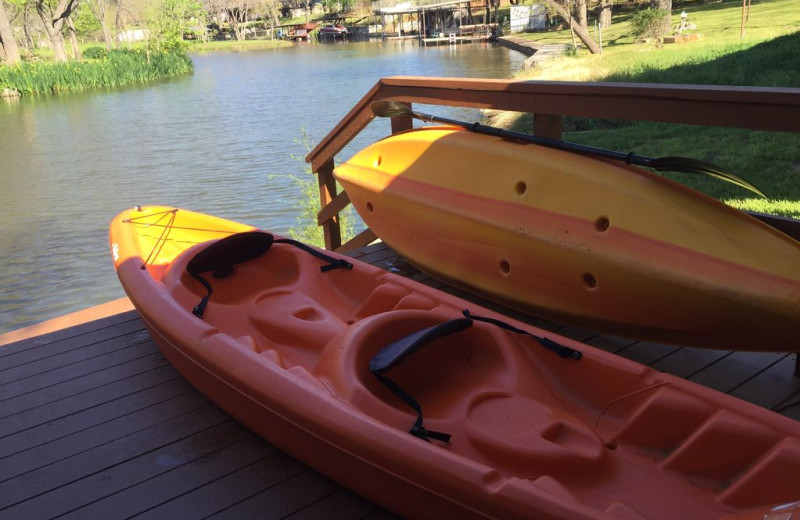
column 649, row 23
column 95, row 53
column 118, row 68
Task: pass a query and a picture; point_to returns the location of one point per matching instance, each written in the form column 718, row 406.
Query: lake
column 220, row 141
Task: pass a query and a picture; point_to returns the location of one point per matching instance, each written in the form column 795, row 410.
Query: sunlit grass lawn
column 768, row 56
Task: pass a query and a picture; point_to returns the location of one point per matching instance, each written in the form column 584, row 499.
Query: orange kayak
column 390, row 388
column 579, row 240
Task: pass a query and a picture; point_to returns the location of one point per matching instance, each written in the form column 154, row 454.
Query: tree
column 100, row 10
column 54, row 14
column 604, row 20
column 582, row 33
column 663, row 5
column 73, row 39
column 7, row 41
column 581, row 12
column 168, row 21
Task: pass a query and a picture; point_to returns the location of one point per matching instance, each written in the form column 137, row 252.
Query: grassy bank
column 112, row 69
column 766, row 57
column 237, row 45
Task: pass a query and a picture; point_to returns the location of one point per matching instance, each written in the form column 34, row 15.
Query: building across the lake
column 434, row 21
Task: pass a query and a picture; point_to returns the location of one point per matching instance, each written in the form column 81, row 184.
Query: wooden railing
column 776, row 109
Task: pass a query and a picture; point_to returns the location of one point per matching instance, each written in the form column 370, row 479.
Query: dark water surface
column 218, row 141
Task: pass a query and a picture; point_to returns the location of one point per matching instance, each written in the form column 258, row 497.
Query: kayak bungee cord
column 168, row 227
column 386, row 108
column 159, row 245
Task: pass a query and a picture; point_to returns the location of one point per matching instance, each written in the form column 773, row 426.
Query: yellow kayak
column 580, row 240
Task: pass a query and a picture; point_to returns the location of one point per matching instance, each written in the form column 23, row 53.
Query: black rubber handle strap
column 393, row 353
column 223, row 254
column 333, row 263
column 561, row 350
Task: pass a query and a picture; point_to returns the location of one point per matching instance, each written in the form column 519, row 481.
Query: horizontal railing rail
column 756, row 108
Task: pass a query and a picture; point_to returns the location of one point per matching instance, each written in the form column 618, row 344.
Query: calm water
column 218, row 141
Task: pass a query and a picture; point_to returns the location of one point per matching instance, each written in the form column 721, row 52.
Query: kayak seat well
column 479, row 385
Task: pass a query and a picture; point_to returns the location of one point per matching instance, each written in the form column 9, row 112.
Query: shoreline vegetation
column 116, row 68
column 110, row 69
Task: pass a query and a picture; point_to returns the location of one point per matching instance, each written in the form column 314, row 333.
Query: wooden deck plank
column 341, row 505
column 30, row 383
column 100, row 326
column 734, row 369
column 52, row 430
column 60, row 347
column 230, row 489
column 770, row 387
column 150, row 360
column 86, row 408
column 81, row 492
column 689, row 361
column 285, row 498
column 178, row 481
column 65, row 360
column 176, row 414
column 646, row 352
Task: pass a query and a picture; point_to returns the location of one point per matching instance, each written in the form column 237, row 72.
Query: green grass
column 117, row 68
column 236, row 45
column 766, row 57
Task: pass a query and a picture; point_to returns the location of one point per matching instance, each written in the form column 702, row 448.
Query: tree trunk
column 73, row 40
column 27, row 24
column 9, row 44
column 53, row 21
column 664, row 5
column 100, row 11
column 582, row 33
column 581, row 13
column 110, row 44
column 605, row 13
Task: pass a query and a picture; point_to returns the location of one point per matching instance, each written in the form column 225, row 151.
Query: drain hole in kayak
column 369, row 207
column 521, row 188
column 505, row 267
column 589, row 281
column 602, row 224
column 378, row 161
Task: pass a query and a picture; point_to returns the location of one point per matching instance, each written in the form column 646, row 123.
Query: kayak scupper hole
column 521, row 188
column 369, row 207
column 378, row 161
column 611, row 446
column 589, row 281
column 602, row 224
column 505, row 267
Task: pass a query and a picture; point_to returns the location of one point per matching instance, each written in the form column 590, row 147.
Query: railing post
column 547, row 125
column 401, row 124
column 327, row 191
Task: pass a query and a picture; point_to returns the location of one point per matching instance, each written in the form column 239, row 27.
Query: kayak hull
column 579, row 240
column 285, row 349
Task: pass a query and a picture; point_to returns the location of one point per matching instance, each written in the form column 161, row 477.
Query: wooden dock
column 95, row 423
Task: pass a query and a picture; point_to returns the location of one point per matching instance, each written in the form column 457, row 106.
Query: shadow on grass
column 775, row 63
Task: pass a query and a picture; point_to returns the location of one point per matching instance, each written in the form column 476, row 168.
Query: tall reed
column 113, row 69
